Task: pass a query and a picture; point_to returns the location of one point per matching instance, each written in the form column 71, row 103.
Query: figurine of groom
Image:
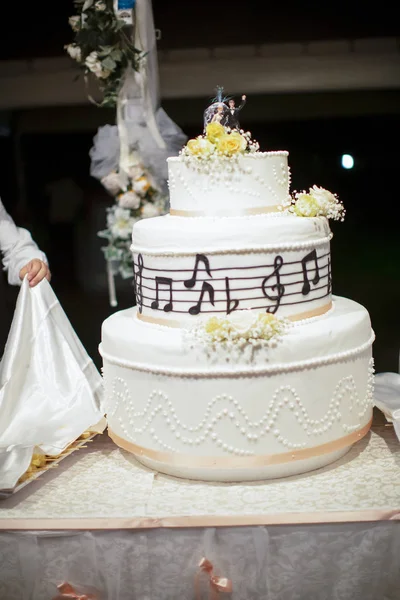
column 232, row 115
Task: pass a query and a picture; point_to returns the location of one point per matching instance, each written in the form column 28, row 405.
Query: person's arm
column 21, row 255
column 243, row 102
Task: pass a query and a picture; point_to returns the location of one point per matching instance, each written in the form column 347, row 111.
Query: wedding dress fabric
column 50, row 390
column 17, row 247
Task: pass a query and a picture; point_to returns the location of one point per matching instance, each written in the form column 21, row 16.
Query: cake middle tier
column 195, row 268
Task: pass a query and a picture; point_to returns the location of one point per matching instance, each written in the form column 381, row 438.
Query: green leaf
column 108, row 63
column 116, row 54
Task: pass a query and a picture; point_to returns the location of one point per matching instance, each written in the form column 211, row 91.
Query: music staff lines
column 214, row 279
column 272, row 286
column 321, row 287
column 245, row 289
column 263, row 307
column 270, row 266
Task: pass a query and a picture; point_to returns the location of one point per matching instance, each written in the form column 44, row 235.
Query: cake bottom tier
column 188, row 412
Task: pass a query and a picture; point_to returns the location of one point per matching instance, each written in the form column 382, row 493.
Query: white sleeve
column 17, row 247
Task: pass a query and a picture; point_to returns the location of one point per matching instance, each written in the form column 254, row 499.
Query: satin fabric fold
column 50, row 389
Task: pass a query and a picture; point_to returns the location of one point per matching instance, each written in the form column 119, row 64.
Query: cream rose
column 306, row 205
column 214, row 131
column 200, row 147
column 231, row 143
column 112, row 182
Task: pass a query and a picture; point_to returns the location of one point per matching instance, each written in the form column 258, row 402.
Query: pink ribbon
column 68, row 592
column 217, row 584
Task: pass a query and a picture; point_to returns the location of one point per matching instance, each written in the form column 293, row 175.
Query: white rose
column 74, row 51
column 94, row 65
column 149, row 210
column 112, row 183
column 134, row 170
column 322, row 196
column 129, row 200
column 120, row 223
column 74, row 22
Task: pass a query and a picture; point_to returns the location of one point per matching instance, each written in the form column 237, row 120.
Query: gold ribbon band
column 258, row 210
column 308, row 314
column 239, row 462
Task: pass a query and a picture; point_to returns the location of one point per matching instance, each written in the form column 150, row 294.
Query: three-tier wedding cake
column 237, row 363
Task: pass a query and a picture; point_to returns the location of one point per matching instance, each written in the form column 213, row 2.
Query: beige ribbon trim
column 239, row 462
column 308, row 314
column 174, row 522
column 258, row 210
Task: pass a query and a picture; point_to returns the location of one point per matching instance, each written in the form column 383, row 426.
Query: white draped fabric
column 352, row 561
column 16, row 246
column 50, row 390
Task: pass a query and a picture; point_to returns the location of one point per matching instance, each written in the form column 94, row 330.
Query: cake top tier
column 222, row 172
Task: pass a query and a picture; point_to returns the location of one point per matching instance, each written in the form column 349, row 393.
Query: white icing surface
column 260, row 180
column 244, row 249
column 205, row 405
column 169, row 235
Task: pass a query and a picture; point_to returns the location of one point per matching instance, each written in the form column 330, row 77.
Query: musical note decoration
column 311, row 257
column 163, row 281
column 138, row 281
column 206, row 287
column 280, row 289
column 189, row 283
column 231, row 305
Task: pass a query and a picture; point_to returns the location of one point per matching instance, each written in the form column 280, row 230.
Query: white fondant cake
column 255, row 183
column 237, row 364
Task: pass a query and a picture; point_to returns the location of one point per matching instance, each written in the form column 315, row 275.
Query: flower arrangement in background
column 218, row 144
column 103, row 46
column 318, row 202
column 138, row 198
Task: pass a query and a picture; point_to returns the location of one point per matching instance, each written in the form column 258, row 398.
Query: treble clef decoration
column 138, row 283
column 280, row 289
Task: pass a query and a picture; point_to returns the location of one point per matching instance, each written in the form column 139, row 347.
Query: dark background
column 365, row 247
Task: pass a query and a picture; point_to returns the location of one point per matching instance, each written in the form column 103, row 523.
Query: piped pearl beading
column 284, row 399
column 223, row 251
column 243, row 373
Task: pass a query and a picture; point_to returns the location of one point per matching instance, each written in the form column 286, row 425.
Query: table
column 104, row 521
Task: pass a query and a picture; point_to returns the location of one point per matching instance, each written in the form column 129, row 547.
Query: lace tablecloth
column 126, row 533
column 103, row 487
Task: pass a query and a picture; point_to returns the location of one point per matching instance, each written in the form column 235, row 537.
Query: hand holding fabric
column 36, row 270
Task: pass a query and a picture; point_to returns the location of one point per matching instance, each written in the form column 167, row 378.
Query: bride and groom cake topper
column 223, row 110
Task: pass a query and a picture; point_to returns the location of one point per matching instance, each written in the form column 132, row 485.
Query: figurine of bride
column 216, row 113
